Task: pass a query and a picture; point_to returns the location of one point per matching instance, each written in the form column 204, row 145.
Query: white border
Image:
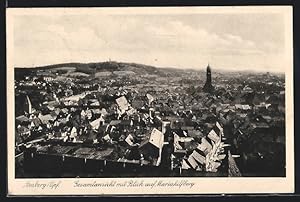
column 203, row 185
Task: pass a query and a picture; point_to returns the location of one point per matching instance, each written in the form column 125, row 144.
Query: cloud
column 145, row 39
column 175, row 36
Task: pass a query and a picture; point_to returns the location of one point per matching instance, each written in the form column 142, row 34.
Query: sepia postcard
column 150, row 101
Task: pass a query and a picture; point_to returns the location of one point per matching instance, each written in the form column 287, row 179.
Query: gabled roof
column 156, row 138
column 198, row 157
column 22, row 129
column 122, row 103
column 46, row 118
column 96, row 123
column 192, row 162
column 96, row 111
column 36, row 121
column 115, row 122
column 185, row 165
column 205, row 146
column 213, row 136
column 65, row 110
column 75, row 97
column 129, row 139
column 126, row 122
column 22, row 118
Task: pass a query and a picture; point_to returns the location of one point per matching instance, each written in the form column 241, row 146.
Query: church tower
column 208, row 88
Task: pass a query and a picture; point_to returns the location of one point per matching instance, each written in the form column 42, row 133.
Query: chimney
column 165, row 126
column 151, row 113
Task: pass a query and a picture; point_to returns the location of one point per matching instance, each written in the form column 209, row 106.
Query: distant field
column 66, row 68
column 122, row 73
column 102, row 74
column 76, row 74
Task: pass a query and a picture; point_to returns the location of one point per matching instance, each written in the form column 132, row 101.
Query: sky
column 243, row 41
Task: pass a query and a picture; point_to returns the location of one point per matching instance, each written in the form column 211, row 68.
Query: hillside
column 110, row 68
column 99, row 67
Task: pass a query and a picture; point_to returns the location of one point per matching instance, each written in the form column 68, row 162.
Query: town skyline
column 200, row 69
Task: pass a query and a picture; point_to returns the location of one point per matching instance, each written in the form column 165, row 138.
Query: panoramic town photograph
column 117, row 95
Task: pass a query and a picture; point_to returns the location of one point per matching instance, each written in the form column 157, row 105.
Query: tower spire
column 208, row 87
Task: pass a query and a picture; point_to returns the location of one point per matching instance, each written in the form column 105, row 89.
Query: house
column 239, row 99
column 22, row 119
column 204, row 146
column 200, row 158
column 185, row 165
column 97, row 123
column 95, row 103
column 48, row 78
column 191, row 161
column 150, row 98
column 22, row 134
column 151, row 147
column 89, row 114
column 247, row 89
column 214, row 136
column 213, row 166
column 131, row 140
column 126, row 123
column 273, row 99
column 36, row 122
column 123, row 104
column 242, row 107
column 196, row 134
column 74, row 99
column 115, row 122
column 54, row 114
column 179, row 143
column 73, row 132
column 46, row 118
column 138, row 104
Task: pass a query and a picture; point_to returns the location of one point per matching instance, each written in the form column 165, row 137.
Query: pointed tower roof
column 208, row 67
column 208, row 86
